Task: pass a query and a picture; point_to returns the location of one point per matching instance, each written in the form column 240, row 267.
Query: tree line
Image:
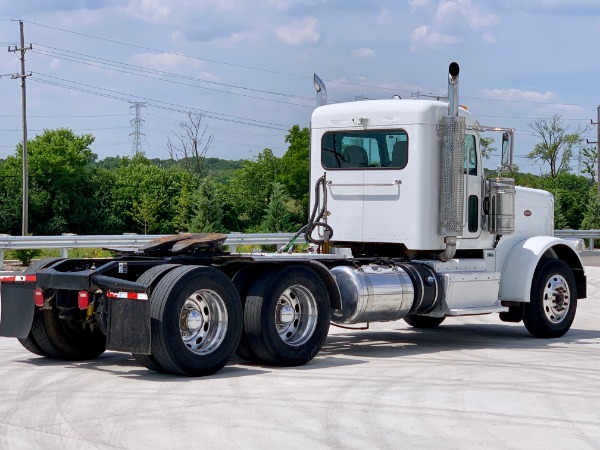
column 70, row 191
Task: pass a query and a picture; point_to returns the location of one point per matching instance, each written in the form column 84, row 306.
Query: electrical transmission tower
column 137, row 123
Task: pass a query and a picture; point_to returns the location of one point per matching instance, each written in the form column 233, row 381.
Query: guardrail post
column 1, row 259
column 591, row 244
column 233, row 247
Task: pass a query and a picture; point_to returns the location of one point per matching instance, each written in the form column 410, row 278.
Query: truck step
column 476, row 311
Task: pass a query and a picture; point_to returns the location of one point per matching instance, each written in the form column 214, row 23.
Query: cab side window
column 470, row 155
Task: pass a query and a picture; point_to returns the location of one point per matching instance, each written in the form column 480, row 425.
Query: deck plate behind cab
column 185, row 242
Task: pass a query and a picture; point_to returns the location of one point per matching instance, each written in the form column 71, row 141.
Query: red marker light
column 83, row 299
column 38, row 297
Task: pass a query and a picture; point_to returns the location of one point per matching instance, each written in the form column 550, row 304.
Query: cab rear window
column 378, row 149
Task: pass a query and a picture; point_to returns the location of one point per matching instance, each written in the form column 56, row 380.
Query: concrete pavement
column 475, row 382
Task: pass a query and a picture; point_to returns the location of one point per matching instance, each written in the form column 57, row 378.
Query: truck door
column 473, row 173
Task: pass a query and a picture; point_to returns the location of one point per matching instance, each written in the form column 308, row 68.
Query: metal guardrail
column 65, row 242
column 590, row 235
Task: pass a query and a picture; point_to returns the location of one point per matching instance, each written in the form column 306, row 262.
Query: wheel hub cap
column 286, row 314
column 203, row 322
column 296, row 315
column 557, row 299
column 194, row 320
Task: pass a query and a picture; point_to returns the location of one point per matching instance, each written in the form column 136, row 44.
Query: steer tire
column 287, row 315
column 151, row 277
column 553, row 301
column 29, row 342
column 211, row 300
column 424, row 321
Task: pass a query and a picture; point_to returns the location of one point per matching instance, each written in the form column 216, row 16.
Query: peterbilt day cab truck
column 405, row 226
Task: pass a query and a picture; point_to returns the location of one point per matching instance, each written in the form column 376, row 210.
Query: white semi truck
column 405, row 226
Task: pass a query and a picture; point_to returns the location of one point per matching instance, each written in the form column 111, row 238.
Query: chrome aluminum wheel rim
column 203, row 322
column 557, row 298
column 296, row 315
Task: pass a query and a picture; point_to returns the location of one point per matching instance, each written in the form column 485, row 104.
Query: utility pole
column 22, row 76
column 597, row 123
column 137, row 123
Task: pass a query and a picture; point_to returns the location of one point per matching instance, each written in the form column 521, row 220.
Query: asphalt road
column 473, row 383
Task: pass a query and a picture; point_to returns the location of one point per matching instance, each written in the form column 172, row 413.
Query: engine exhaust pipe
column 453, row 72
column 451, row 182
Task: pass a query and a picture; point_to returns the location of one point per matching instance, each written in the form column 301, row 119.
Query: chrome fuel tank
column 372, row 293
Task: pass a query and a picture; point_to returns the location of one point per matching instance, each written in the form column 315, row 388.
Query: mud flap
column 128, row 326
column 17, row 310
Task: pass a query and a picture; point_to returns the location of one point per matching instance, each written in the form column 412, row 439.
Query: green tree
column 571, row 192
column 295, row 166
column 557, row 143
column 183, row 208
column 61, row 193
column 485, row 144
column 145, row 211
column 208, row 213
column 591, row 219
column 144, row 196
column 277, row 216
column 560, row 221
column 246, row 194
column 589, row 161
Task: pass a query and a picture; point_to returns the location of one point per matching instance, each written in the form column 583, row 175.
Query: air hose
column 315, row 219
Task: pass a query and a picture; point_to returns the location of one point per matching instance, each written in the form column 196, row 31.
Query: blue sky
column 249, row 65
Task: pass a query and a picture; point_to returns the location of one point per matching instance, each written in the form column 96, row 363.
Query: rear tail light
column 38, row 297
column 83, row 299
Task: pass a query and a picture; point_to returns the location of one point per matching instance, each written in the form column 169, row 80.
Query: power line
column 141, row 69
column 158, row 104
column 109, row 62
column 241, row 66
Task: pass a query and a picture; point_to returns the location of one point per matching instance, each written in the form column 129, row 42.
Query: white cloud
column 237, row 37
column 459, row 15
column 302, row 31
column 425, row 36
column 519, row 95
column 569, row 108
column 55, row 63
column 177, row 36
column 365, row 52
column 149, row 10
column 163, row 61
column 384, row 16
column 457, row 11
column 416, row 4
column 208, row 76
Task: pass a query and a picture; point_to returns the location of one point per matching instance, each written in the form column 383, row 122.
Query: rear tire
column 242, row 283
column 29, row 342
column 287, row 315
column 64, row 338
column 553, row 302
column 151, row 277
column 196, row 318
column 424, row 321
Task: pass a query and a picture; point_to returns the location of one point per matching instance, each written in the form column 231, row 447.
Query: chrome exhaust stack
column 452, row 130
